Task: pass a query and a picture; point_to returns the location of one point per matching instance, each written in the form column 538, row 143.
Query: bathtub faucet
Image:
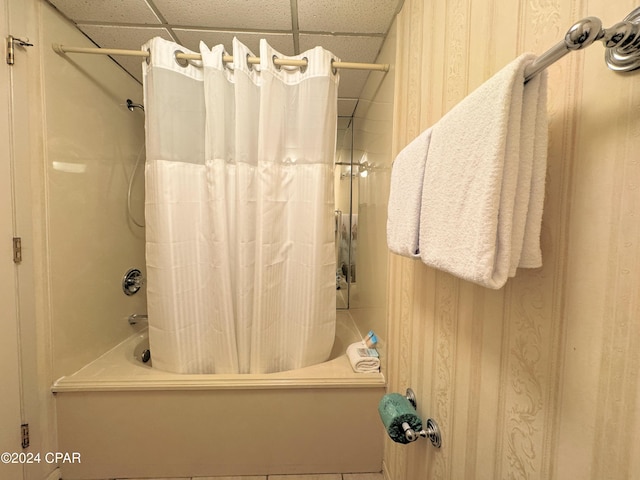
column 134, row 318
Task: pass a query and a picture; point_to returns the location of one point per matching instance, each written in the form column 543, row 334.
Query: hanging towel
column 405, row 197
column 483, row 188
column 531, row 254
column 362, row 358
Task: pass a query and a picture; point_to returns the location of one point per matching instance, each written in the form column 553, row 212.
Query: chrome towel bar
column 622, row 43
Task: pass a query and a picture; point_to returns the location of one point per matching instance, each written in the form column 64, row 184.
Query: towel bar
column 622, row 43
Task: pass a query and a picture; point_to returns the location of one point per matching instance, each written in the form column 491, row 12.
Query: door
column 10, row 416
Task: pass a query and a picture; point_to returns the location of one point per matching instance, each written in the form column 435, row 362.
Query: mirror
column 346, row 213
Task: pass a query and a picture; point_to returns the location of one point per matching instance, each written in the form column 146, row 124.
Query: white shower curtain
column 239, row 210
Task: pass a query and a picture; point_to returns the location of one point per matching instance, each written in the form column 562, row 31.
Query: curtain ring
column 273, row 59
column 183, row 62
column 302, row 68
column 228, row 65
column 148, row 59
column 334, row 70
column 249, row 64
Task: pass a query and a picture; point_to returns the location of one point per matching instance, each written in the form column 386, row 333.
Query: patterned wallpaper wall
column 539, row 380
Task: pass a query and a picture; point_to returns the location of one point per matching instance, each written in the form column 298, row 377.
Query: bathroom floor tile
column 330, row 476
column 158, row 478
column 362, row 476
column 246, row 477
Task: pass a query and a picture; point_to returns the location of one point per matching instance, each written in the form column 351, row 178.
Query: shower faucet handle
column 132, row 281
column 135, row 318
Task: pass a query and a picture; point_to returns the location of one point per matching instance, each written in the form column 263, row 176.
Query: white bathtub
column 128, row 420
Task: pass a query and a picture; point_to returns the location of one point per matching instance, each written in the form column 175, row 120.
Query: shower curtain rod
column 62, row 49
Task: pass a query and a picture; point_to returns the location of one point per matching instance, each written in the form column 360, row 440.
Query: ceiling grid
column 353, row 30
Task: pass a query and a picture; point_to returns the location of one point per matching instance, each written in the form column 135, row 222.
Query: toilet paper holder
column 432, row 432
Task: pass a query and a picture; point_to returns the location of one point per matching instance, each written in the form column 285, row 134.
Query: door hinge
column 17, row 249
column 11, row 41
column 24, row 428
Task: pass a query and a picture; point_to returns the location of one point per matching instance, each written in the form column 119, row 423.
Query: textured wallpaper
column 541, row 379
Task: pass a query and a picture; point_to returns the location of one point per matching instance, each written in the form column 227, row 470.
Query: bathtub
column 129, row 420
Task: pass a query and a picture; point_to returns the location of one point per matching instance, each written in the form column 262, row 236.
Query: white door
column 10, row 437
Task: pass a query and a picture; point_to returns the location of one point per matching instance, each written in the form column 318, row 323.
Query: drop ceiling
column 353, row 30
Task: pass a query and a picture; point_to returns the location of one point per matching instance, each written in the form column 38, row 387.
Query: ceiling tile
column 133, row 65
column 347, row 48
column 346, row 106
column 344, row 122
column 129, row 38
column 109, row 23
column 351, row 83
column 116, row 11
column 283, row 43
column 352, row 16
column 232, row 14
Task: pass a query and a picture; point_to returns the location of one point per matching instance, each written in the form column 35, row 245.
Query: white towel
column 483, row 187
column 531, row 254
column 361, row 360
column 405, row 197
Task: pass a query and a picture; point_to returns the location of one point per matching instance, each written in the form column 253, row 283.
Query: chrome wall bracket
column 432, row 432
column 621, row 42
column 623, row 53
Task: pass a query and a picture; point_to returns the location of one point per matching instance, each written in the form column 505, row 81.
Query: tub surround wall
column 373, row 127
column 92, row 142
column 122, row 369
column 540, row 379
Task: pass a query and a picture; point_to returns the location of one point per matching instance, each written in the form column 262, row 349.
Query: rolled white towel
column 363, row 359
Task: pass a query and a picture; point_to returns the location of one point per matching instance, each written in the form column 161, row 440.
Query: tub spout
column 134, row 318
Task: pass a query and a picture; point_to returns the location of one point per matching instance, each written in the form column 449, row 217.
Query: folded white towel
column 405, row 197
column 361, row 359
column 531, row 256
column 483, row 187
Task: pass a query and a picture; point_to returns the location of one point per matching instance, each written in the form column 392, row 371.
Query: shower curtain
column 239, row 209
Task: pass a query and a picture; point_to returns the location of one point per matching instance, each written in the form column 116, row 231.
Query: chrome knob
column 145, row 356
column 132, row 281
